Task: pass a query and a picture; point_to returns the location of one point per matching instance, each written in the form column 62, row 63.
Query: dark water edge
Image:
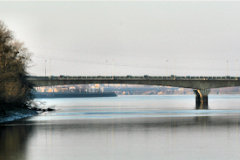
column 16, row 114
column 74, row 95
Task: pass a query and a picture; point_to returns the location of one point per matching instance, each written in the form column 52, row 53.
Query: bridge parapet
column 138, row 77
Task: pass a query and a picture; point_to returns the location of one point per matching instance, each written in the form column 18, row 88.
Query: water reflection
column 13, row 141
column 130, row 123
column 97, row 129
column 201, row 106
column 66, row 139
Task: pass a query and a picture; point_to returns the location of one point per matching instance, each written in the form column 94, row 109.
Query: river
column 127, row 128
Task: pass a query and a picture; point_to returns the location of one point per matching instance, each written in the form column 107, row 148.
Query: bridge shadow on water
column 26, row 128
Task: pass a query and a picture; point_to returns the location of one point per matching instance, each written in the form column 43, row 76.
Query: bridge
column 200, row 85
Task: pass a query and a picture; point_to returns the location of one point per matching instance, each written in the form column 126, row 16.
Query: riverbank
column 16, row 114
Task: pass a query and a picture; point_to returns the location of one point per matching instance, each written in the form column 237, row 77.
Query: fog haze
column 128, row 38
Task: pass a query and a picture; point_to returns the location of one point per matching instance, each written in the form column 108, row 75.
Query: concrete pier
column 201, row 98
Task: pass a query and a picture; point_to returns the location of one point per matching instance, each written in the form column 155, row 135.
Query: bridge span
column 200, row 85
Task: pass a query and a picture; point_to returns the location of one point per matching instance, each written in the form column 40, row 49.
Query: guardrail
column 132, row 77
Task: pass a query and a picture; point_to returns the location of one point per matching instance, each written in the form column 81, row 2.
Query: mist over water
column 127, row 127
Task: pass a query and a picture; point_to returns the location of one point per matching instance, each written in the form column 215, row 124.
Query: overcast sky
column 128, row 38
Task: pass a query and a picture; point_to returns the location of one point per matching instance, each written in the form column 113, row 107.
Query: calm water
column 127, row 128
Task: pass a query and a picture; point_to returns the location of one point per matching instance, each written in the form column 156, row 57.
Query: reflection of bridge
column 200, row 85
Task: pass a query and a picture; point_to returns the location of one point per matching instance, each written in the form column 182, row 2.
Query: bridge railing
column 132, row 78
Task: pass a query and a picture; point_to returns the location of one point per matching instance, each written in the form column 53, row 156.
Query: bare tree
column 15, row 90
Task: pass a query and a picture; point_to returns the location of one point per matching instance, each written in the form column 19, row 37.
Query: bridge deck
column 175, row 81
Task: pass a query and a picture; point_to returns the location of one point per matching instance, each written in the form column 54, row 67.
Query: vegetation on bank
column 15, row 90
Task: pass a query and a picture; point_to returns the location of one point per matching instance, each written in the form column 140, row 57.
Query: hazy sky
column 128, row 38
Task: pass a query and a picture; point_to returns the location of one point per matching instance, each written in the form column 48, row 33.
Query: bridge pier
column 201, row 98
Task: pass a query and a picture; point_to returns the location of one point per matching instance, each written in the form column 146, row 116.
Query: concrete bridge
column 200, row 85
